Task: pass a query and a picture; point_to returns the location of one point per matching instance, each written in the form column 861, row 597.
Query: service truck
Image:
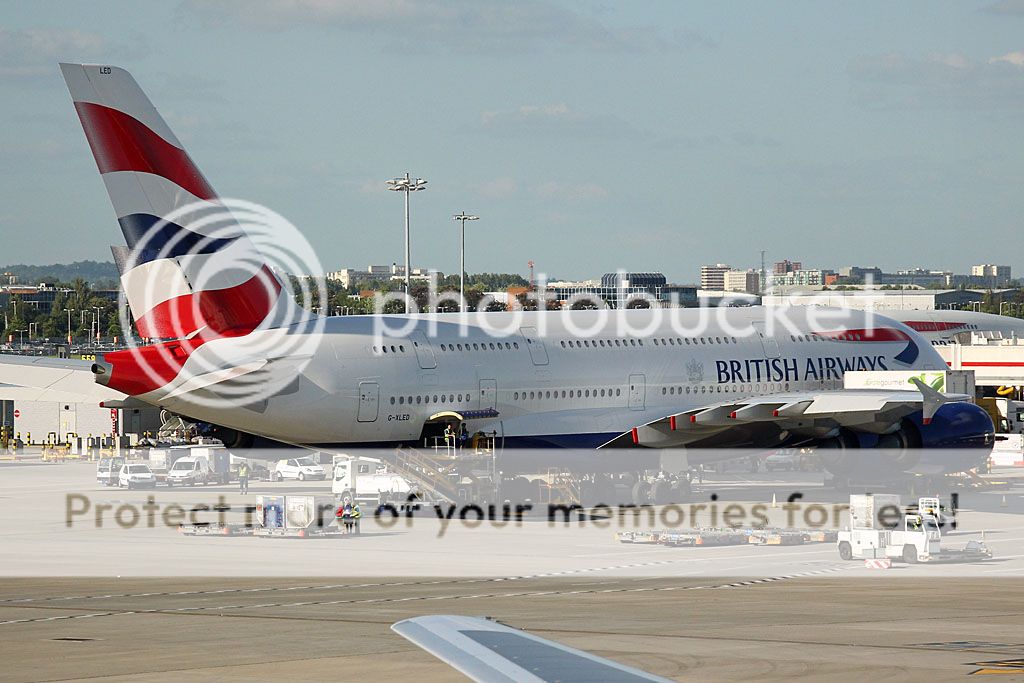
column 203, row 464
column 879, row 528
column 366, row 480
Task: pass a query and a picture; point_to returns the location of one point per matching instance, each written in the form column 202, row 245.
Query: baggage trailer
column 216, row 529
column 296, row 516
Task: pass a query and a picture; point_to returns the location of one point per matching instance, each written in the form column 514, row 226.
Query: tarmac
column 83, row 602
column 832, row 629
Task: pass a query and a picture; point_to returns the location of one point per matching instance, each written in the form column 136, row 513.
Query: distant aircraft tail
column 190, row 267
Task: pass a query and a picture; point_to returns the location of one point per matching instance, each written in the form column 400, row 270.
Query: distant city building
column 748, row 281
column 351, row 276
column 786, row 266
column 42, row 297
column 887, row 299
column 920, row 277
column 796, row 278
column 990, row 275
column 713, row 277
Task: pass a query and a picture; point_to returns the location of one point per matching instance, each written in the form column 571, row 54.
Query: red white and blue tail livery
column 190, row 267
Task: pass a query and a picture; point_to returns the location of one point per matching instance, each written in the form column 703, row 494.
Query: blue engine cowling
column 958, row 438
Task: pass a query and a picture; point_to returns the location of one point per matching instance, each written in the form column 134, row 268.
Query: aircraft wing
column 489, row 652
column 809, row 413
column 33, row 378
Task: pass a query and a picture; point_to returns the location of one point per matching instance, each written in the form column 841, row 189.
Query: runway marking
column 524, row 577
column 424, row 598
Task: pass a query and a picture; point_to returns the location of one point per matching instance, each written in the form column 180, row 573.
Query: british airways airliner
column 621, row 380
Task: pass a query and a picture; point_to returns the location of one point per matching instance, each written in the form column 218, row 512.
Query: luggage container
column 299, row 516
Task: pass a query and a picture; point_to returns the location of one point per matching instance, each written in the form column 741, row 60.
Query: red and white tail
column 191, row 267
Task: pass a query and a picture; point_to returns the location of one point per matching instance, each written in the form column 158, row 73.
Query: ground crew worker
column 346, row 517
column 339, row 516
column 356, row 514
column 449, row 437
column 243, row 477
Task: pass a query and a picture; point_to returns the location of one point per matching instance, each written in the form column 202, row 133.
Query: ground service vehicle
column 190, row 471
column 136, row 476
column 107, row 471
column 879, row 529
column 302, row 469
column 365, row 480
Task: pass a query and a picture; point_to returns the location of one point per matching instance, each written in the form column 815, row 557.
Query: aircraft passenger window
column 563, row 343
column 655, row 342
column 401, row 347
column 672, row 390
column 687, row 389
column 703, row 390
column 640, row 342
column 401, row 400
column 515, row 396
column 531, row 395
column 418, row 399
column 587, row 393
column 374, row 349
column 515, row 345
column 393, row 349
column 618, row 342
column 618, row 392
column 392, row 400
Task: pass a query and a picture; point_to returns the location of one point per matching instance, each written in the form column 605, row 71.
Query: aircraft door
column 538, row 353
column 488, row 394
column 768, row 343
column 424, row 351
column 637, row 392
column 369, row 397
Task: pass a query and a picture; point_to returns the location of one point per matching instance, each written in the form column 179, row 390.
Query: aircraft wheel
column 910, row 554
column 641, row 493
column 680, row 491
column 661, row 492
column 845, row 551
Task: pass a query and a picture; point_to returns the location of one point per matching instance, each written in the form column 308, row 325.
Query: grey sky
column 587, row 136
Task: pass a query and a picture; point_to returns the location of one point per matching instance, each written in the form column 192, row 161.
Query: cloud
column 1015, row 58
column 938, row 80
column 572, row 191
column 453, row 25
column 498, row 188
column 35, row 52
column 551, row 119
column 1006, row 7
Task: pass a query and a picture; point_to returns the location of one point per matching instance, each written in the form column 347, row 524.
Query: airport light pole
column 69, row 312
column 407, row 184
column 462, row 218
column 32, row 327
column 99, row 310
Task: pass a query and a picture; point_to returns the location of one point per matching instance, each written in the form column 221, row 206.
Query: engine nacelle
column 959, row 437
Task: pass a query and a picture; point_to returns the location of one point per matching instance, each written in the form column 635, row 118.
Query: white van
column 189, row 471
column 302, row 469
column 136, row 476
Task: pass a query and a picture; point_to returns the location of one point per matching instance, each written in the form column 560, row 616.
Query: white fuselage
column 554, row 379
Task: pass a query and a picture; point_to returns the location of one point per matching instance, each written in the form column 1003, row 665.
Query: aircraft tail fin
column 190, row 265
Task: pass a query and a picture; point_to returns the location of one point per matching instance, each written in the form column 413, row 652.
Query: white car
column 135, row 476
column 298, row 468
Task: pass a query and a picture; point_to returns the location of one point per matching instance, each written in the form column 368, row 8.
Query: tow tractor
column 879, row 528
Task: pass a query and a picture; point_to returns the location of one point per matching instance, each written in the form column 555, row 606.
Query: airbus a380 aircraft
column 242, row 355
